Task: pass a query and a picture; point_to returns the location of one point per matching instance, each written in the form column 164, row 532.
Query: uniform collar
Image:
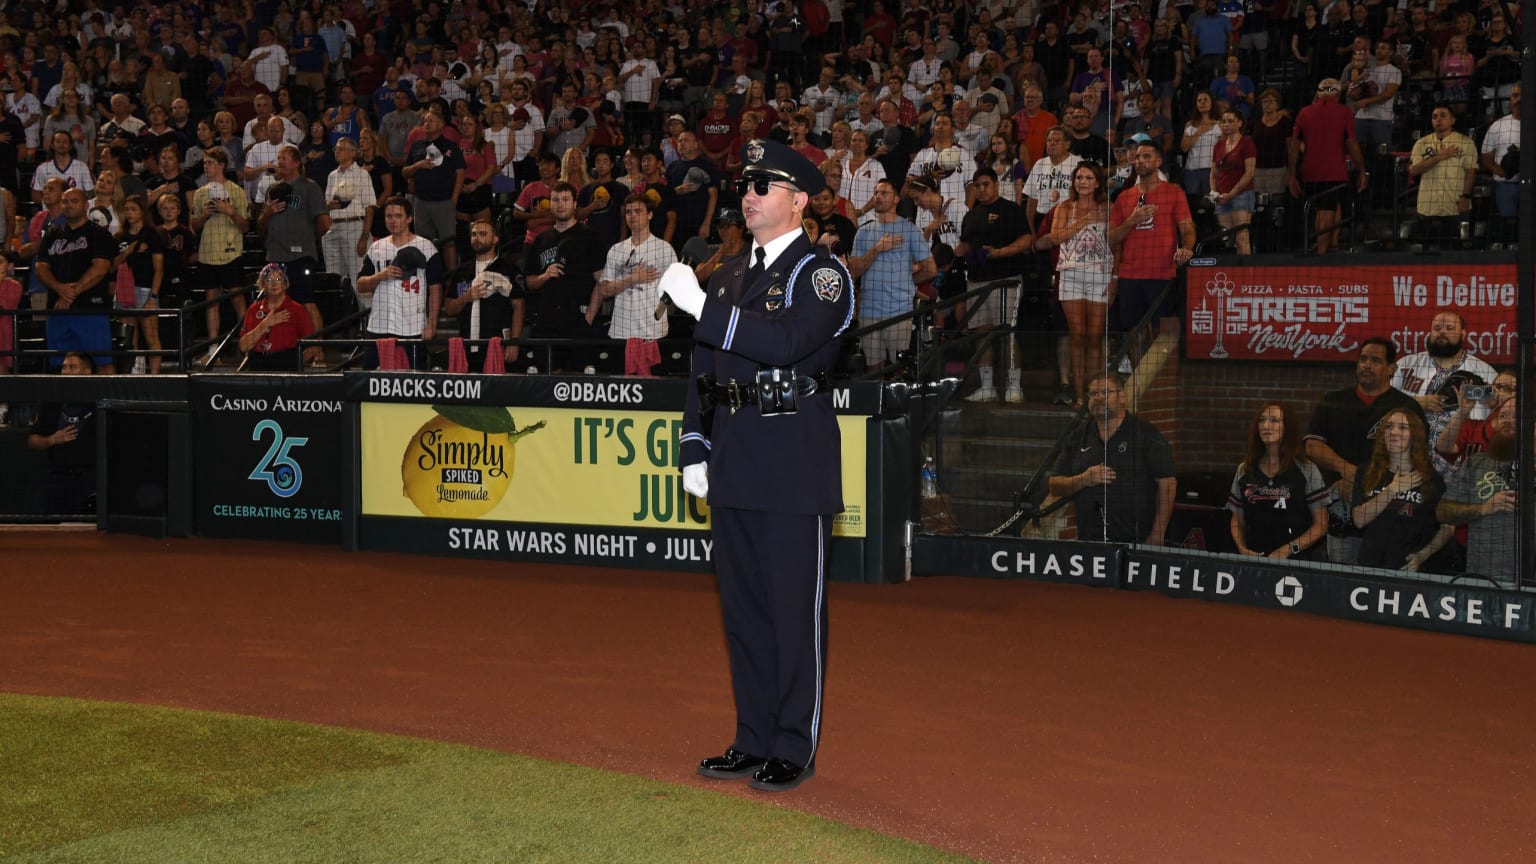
column 775, row 247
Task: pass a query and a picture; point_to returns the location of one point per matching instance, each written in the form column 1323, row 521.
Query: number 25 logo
column 283, row 475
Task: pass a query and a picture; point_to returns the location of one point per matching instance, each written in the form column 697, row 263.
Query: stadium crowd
column 515, row 171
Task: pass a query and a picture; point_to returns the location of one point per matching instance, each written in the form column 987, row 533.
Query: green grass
column 106, row 782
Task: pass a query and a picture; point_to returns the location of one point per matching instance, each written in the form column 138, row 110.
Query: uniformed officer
column 760, row 439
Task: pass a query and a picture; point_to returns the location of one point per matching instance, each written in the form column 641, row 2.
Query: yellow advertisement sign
column 549, row 465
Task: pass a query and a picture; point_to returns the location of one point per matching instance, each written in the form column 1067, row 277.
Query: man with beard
column 562, row 266
column 487, row 295
column 1429, row 376
column 1343, row 430
column 1482, row 496
column 1118, row 472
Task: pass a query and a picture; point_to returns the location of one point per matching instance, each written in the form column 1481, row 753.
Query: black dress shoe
column 730, row 765
column 780, row 775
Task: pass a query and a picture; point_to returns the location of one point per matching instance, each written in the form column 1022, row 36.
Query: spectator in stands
column 1279, row 501
column 141, row 250
column 179, row 246
column 74, row 263
column 1342, row 431
column 1081, row 139
column 1456, row 67
column 1395, row 499
column 350, row 201
column 1445, row 163
column 1498, row 60
column 24, row 106
column 1212, row 37
column 13, row 146
column 629, row 276
column 834, row 230
column 1233, row 165
column 600, row 203
column 1323, row 139
column 664, row 200
column 1011, row 170
column 487, row 295
column 1270, row 132
column 1050, row 179
column 696, row 183
column 1165, row 64
column 64, row 165
column 1153, row 234
column 561, row 268
column 261, row 161
column 896, row 144
column 1150, row 123
column 1032, row 123
column 641, row 80
column 952, row 180
column 270, row 60
column 404, row 274
column 434, row 169
column 68, row 432
column 273, row 325
column 1482, row 496
column 1430, row 376
column 70, row 117
column 123, row 124
column 1078, row 230
column 1501, row 158
column 532, row 205
column 396, row 126
column 1118, row 470
column 1463, row 435
column 49, row 215
column 1096, row 76
column 890, row 257
column 479, row 167
column 1201, row 131
column 167, row 178
column 1233, row 89
column 732, row 227
column 861, row 173
column 1370, row 86
column 219, row 218
column 259, row 127
column 939, row 218
column 293, row 220
column 992, row 232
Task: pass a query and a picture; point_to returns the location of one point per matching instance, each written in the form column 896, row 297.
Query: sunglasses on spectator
column 1329, row 89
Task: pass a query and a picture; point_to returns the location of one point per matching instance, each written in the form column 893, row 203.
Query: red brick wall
column 1213, row 402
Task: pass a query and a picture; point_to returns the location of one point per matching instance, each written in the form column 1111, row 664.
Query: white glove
column 682, row 287
column 696, row 480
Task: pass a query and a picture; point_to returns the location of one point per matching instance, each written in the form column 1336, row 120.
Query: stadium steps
column 991, row 450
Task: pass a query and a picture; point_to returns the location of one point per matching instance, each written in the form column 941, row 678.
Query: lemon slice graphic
column 459, row 464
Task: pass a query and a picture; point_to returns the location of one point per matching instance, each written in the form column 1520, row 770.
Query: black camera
column 1477, row 392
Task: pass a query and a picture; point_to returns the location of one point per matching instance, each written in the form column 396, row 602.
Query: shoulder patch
column 828, row 284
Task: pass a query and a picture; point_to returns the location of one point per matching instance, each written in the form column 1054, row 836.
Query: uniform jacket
column 791, row 317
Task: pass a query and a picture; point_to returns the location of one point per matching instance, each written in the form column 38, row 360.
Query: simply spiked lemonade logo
column 459, row 463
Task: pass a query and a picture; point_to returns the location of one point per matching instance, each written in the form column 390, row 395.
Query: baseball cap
column 1141, row 138
column 729, row 216
column 409, row 258
column 989, row 97
column 678, row 118
column 520, row 114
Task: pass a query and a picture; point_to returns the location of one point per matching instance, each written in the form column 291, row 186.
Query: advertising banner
column 1322, row 312
column 601, row 468
column 267, row 465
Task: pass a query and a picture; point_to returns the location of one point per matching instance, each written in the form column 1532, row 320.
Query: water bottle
column 930, row 478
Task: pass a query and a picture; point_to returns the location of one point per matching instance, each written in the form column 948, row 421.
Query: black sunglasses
column 760, row 185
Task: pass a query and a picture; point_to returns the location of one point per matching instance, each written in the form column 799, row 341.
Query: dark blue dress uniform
column 765, row 346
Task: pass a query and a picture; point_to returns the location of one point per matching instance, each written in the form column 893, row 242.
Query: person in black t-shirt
column 73, row 262
column 1343, row 430
column 486, row 294
column 601, row 201
column 1394, row 498
column 1279, row 502
column 67, row 432
column 562, row 265
column 1118, row 471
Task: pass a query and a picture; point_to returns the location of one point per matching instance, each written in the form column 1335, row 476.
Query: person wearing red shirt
column 1323, row 136
column 717, row 129
column 274, row 325
column 1153, row 234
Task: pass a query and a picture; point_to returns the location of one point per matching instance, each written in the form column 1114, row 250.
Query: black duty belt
column 775, row 391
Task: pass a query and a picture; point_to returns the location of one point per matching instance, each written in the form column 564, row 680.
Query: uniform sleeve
column 818, row 307
column 694, row 444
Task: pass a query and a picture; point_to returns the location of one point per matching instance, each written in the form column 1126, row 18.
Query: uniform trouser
column 339, row 246
column 772, row 573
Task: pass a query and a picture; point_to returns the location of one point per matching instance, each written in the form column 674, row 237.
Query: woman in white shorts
column 1078, row 229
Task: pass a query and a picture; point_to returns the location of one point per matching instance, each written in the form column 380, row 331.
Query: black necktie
column 755, row 272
